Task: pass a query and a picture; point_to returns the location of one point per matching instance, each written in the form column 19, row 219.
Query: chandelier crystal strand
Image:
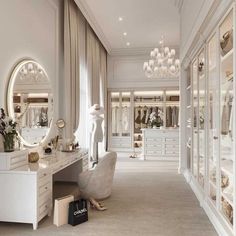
column 163, row 63
column 30, row 71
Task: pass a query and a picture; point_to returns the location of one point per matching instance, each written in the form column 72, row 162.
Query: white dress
column 97, row 133
column 96, row 136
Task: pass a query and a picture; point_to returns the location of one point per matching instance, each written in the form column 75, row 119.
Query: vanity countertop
column 52, row 162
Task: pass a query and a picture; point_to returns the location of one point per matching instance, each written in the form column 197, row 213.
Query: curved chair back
column 102, row 177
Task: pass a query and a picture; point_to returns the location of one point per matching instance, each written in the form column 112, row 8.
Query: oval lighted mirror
column 30, row 101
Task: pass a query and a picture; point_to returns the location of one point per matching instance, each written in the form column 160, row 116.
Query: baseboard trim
column 217, row 221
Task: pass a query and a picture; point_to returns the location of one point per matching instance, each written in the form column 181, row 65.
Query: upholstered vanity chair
column 97, row 183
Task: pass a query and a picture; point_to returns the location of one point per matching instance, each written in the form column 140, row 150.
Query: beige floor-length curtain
column 72, row 67
column 97, row 75
column 93, row 67
column 103, row 90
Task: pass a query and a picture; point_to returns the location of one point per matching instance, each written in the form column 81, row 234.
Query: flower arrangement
column 155, row 118
column 8, row 131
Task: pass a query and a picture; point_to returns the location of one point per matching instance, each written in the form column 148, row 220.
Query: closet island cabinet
column 212, row 163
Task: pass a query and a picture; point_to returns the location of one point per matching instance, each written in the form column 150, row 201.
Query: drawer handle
column 215, row 137
column 46, row 188
column 44, row 174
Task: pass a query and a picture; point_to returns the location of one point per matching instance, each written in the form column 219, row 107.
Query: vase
column 9, row 142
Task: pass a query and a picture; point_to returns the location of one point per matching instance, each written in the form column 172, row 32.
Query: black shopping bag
column 78, row 212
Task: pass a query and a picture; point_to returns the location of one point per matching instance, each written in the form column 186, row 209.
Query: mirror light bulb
column 152, row 54
column 172, row 68
column 145, row 65
column 166, row 50
column 172, row 52
column 151, row 63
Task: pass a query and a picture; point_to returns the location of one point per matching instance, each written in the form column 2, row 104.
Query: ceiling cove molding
column 216, row 12
column 86, row 11
column 137, row 51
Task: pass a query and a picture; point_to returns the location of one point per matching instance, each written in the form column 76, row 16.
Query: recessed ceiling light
column 124, row 33
column 128, row 44
column 120, row 18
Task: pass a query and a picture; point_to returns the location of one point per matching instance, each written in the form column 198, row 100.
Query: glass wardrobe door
column 195, row 118
column 125, row 114
column 226, row 114
column 201, row 116
column 172, row 109
column 115, row 114
column 213, row 127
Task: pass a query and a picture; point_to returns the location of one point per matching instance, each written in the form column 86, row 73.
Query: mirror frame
column 10, row 107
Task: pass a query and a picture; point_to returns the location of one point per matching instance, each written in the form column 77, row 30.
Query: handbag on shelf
column 174, row 98
column 78, row 212
column 226, row 43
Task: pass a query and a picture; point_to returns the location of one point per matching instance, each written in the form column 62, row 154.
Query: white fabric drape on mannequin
column 72, row 67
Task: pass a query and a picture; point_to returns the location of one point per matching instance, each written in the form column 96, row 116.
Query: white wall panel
column 127, row 72
column 193, row 14
column 33, row 29
column 29, row 29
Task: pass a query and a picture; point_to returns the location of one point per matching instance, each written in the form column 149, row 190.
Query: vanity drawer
column 172, row 153
column 13, row 160
column 44, row 188
column 151, row 140
column 18, row 159
column 44, row 209
column 153, row 146
column 43, row 175
column 153, row 152
column 172, row 146
column 46, row 197
column 172, row 140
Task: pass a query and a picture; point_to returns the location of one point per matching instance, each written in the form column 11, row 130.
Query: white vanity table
column 26, row 190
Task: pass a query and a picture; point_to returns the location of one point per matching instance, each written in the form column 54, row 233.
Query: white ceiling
column 145, row 21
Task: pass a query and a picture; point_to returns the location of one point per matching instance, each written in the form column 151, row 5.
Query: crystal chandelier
column 163, row 63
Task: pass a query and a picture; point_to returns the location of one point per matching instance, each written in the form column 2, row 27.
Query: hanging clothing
column 144, row 114
column 147, row 118
column 137, row 121
column 168, row 116
column 227, row 108
column 175, row 116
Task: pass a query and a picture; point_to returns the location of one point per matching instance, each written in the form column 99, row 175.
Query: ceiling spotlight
column 124, row 33
column 128, row 44
column 120, row 18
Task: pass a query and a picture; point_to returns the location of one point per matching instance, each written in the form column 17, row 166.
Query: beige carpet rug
column 148, row 199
